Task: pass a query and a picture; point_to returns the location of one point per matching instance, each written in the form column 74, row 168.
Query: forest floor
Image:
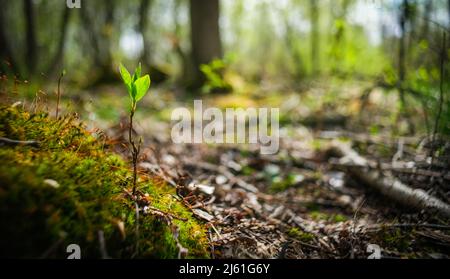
column 303, row 202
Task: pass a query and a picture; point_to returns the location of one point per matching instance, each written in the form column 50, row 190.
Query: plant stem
column 59, row 95
column 134, row 149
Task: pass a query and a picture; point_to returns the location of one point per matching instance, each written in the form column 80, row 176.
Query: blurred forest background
column 397, row 45
column 371, row 74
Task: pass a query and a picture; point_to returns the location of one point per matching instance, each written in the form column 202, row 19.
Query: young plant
column 214, row 73
column 137, row 87
column 63, row 73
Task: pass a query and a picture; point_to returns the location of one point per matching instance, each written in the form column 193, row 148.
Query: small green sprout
column 137, row 87
column 63, row 73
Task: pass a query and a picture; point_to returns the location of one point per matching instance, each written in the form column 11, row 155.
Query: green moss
column 335, row 218
column 280, row 184
column 338, row 218
column 300, row 235
column 312, row 206
column 396, row 238
column 317, row 216
column 247, row 170
column 40, row 218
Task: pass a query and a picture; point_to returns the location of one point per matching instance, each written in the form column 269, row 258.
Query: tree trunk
column 143, row 26
column 338, row 35
column 426, row 21
column 99, row 35
column 314, row 35
column 30, row 33
column 205, row 35
column 296, row 55
column 106, row 40
column 402, row 49
column 8, row 61
column 57, row 60
column 185, row 60
column 90, row 33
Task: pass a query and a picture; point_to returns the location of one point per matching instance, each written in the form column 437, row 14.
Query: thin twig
column 10, row 142
column 59, row 93
column 137, row 228
column 151, row 208
column 101, row 240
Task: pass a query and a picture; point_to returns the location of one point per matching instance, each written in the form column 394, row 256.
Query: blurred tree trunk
column 205, row 35
column 424, row 35
column 339, row 12
column 143, row 28
column 295, row 53
column 404, row 10
column 314, row 10
column 99, row 30
column 186, row 60
column 412, row 17
column 106, row 32
column 57, row 61
column 8, row 61
column 30, row 34
column 448, row 11
column 85, row 20
column 427, row 18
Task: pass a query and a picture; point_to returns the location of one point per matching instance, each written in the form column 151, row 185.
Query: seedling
column 63, row 73
column 137, row 87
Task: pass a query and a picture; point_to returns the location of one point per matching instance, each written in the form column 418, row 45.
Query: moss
column 396, row 238
column 338, row 218
column 300, row 235
column 40, row 218
column 335, row 218
column 317, row 216
column 312, row 206
column 247, row 170
column 280, row 184
column 318, row 144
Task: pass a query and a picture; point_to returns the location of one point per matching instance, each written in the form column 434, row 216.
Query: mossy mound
column 70, row 189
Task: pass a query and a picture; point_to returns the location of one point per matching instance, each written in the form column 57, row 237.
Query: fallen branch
column 387, row 185
column 419, row 225
column 369, row 139
column 223, row 170
column 101, row 240
column 10, row 142
column 383, row 84
column 182, row 251
column 402, row 169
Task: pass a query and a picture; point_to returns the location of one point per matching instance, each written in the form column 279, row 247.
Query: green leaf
column 133, row 91
column 142, row 86
column 126, row 78
column 125, row 74
column 137, row 73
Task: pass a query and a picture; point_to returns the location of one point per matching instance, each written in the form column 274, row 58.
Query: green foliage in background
column 214, row 73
